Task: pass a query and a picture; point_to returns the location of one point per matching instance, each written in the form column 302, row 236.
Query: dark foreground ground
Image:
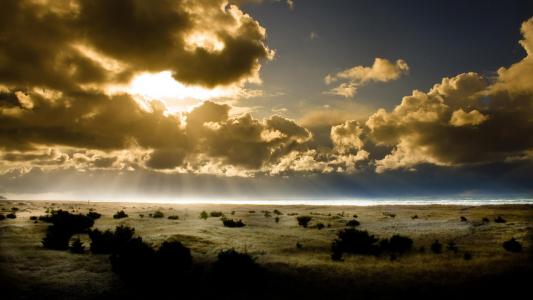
column 294, row 262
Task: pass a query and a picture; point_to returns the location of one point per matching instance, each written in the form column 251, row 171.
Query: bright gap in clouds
column 177, row 96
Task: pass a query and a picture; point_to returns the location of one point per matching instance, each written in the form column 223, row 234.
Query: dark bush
column 436, row 247
column 64, row 226
column 414, row 217
column 216, row 214
column 234, row 265
column 14, row 209
column 77, row 246
column 2, row 217
column 388, row 214
column 134, row 260
column 232, row 223
column 267, row 214
column 303, row 221
column 354, row 241
column 33, row 218
column 452, row 246
column 173, row 217
column 57, row 238
column 355, row 216
column 172, row 257
column 397, row 244
column 499, row 219
column 11, row 216
column 108, row 241
column 158, row 214
column 141, row 215
column 204, row 215
column 94, row 215
column 463, row 219
column 353, row 223
column 486, row 220
column 319, row 226
column 299, row 245
column 276, row 219
column 512, row 245
column 120, row 215
column 277, row 212
column 467, row 256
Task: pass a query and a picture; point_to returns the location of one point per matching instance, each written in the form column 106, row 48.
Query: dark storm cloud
column 71, row 43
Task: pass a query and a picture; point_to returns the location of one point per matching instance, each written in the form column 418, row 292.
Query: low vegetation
column 353, row 223
column 303, row 220
column 232, row 223
column 120, row 215
column 216, row 214
column 64, row 226
column 158, row 215
column 512, row 245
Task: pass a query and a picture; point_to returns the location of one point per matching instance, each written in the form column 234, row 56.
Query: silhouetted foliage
column 204, row 215
column 414, row 217
column 467, row 256
column 11, row 216
column 486, row 220
column 94, row 215
column 463, row 219
column 397, row 244
column 388, row 214
column 355, row 216
column 276, row 219
column 267, row 214
column 303, row 220
column 134, row 260
column 173, row 217
column 299, row 245
column 14, row 209
column 33, row 218
column 2, row 217
column 172, row 257
column 319, row 226
column 436, row 247
column 109, row 241
column 277, row 212
column 232, row 223
column 158, row 214
column 77, row 246
column 499, row 219
column 57, row 238
column 512, row 245
column 216, row 214
column 235, row 266
column 120, row 215
column 354, row 241
column 64, row 226
column 353, row 223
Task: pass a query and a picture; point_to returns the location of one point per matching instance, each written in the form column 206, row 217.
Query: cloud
column 382, row 70
column 73, row 44
column 462, row 120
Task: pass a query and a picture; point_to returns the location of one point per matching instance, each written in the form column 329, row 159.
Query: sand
column 27, row 267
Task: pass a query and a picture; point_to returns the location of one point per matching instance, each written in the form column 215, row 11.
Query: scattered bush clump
column 235, row 265
column 216, row 214
column 204, row 215
column 353, row 241
column 303, row 221
column 299, row 245
column 94, row 215
column 109, row 241
column 173, row 217
column 134, row 260
column 463, row 219
column 173, row 257
column 277, row 212
column 467, row 256
column 499, row 219
column 414, row 217
column 11, row 216
column 388, row 214
column 276, row 219
column 120, row 215
column 268, row 214
column 353, row 223
column 64, row 226
column 158, row 214
column 232, row 223
column 2, row 217
column 452, row 246
column 33, row 218
column 436, row 247
column 77, row 246
column 397, row 244
column 319, row 226
column 486, row 220
column 512, row 245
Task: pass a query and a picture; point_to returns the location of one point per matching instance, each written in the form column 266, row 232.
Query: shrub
column 108, row 241
column 319, row 226
column 173, row 257
column 388, row 214
column 173, row 217
column 467, row 256
column 268, row 214
column 355, row 216
column 354, row 241
column 353, row 223
column 120, row 215
column 251, row 211
column 94, row 215
column 303, row 221
column 397, row 244
column 414, row 217
column 64, row 226
column 299, row 245
column 499, row 219
column 158, row 214
column 141, row 215
column 204, row 215
column 436, row 247
column 11, row 216
column 77, row 246
column 463, row 219
column 134, row 260
column 216, row 214
column 232, row 223
column 235, row 265
column 277, row 212
column 56, row 238
column 2, row 217
column 486, row 220
column 14, row 209
column 276, row 219
column 512, row 245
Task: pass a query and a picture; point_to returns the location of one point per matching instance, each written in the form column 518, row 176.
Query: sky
column 265, row 99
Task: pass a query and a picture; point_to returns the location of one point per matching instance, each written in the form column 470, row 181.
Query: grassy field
column 28, row 270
